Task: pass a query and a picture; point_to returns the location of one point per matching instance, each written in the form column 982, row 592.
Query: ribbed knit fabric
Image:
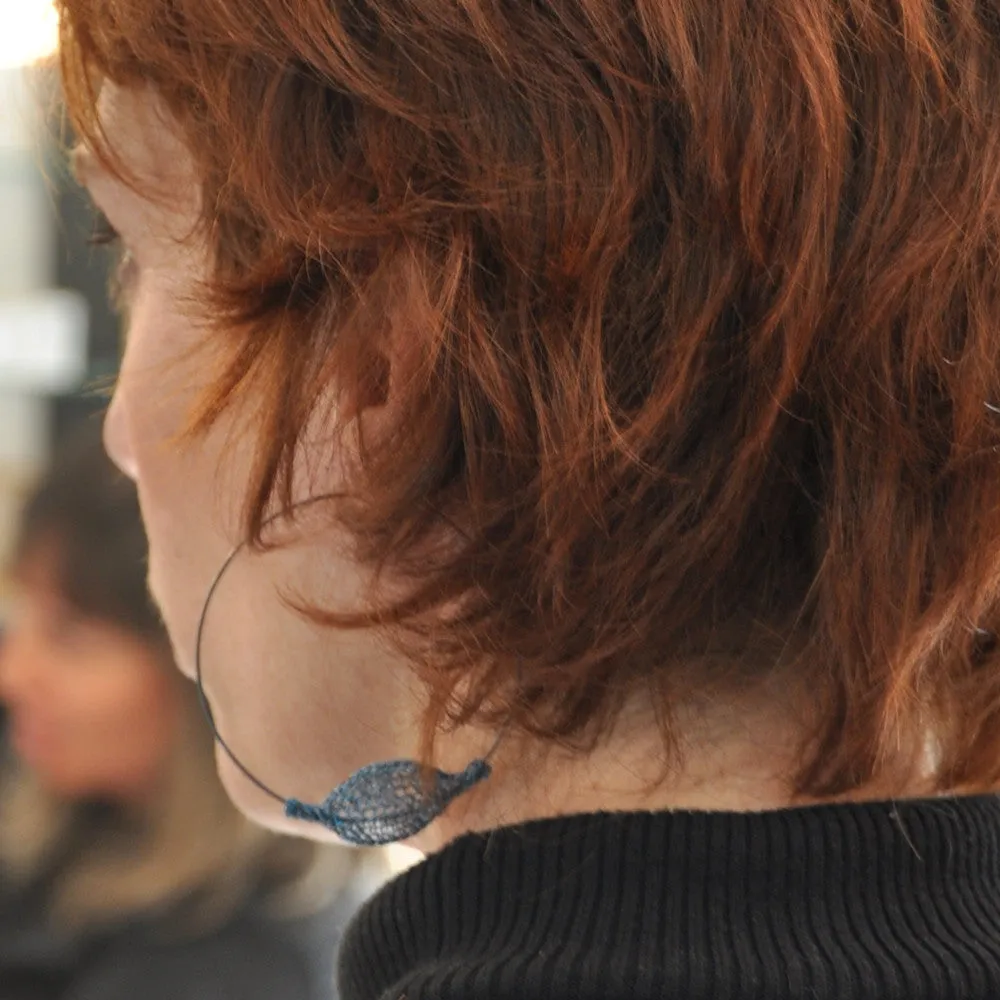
column 878, row 900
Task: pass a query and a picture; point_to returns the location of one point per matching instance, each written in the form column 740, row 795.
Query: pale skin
column 302, row 706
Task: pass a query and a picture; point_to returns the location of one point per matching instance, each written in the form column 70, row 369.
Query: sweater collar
column 877, row 899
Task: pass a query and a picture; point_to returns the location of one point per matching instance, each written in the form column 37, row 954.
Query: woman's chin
column 260, row 808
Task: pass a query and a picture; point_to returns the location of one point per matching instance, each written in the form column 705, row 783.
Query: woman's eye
column 102, row 233
column 123, row 271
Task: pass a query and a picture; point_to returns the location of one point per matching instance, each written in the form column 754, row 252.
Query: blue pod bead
column 388, row 801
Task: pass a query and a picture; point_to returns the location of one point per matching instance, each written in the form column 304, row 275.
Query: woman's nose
column 117, row 442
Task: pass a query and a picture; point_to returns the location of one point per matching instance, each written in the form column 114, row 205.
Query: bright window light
column 29, row 31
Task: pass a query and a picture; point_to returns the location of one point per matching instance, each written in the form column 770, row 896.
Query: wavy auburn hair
column 688, row 315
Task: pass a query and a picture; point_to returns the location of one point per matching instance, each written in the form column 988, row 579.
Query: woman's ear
column 394, row 350
column 372, row 387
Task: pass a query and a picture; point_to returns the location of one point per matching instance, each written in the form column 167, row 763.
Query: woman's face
column 301, row 706
column 93, row 712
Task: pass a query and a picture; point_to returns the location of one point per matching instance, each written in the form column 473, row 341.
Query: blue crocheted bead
column 388, row 801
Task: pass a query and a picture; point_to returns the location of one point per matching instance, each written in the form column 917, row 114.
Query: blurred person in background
column 124, row 870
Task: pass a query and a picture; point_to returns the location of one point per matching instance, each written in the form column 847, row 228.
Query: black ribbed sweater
column 878, row 900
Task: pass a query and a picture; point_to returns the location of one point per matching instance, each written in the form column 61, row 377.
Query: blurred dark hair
column 86, row 513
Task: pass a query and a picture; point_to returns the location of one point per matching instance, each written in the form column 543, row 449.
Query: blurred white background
column 43, row 327
column 28, row 30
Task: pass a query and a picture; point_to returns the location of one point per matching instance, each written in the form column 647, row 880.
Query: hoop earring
column 380, row 803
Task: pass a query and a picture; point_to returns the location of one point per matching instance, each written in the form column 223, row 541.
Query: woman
column 124, row 870
column 605, row 394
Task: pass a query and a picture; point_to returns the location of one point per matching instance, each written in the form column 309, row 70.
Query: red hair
column 701, row 309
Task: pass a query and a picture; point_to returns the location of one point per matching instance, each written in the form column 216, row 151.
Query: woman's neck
column 742, row 756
